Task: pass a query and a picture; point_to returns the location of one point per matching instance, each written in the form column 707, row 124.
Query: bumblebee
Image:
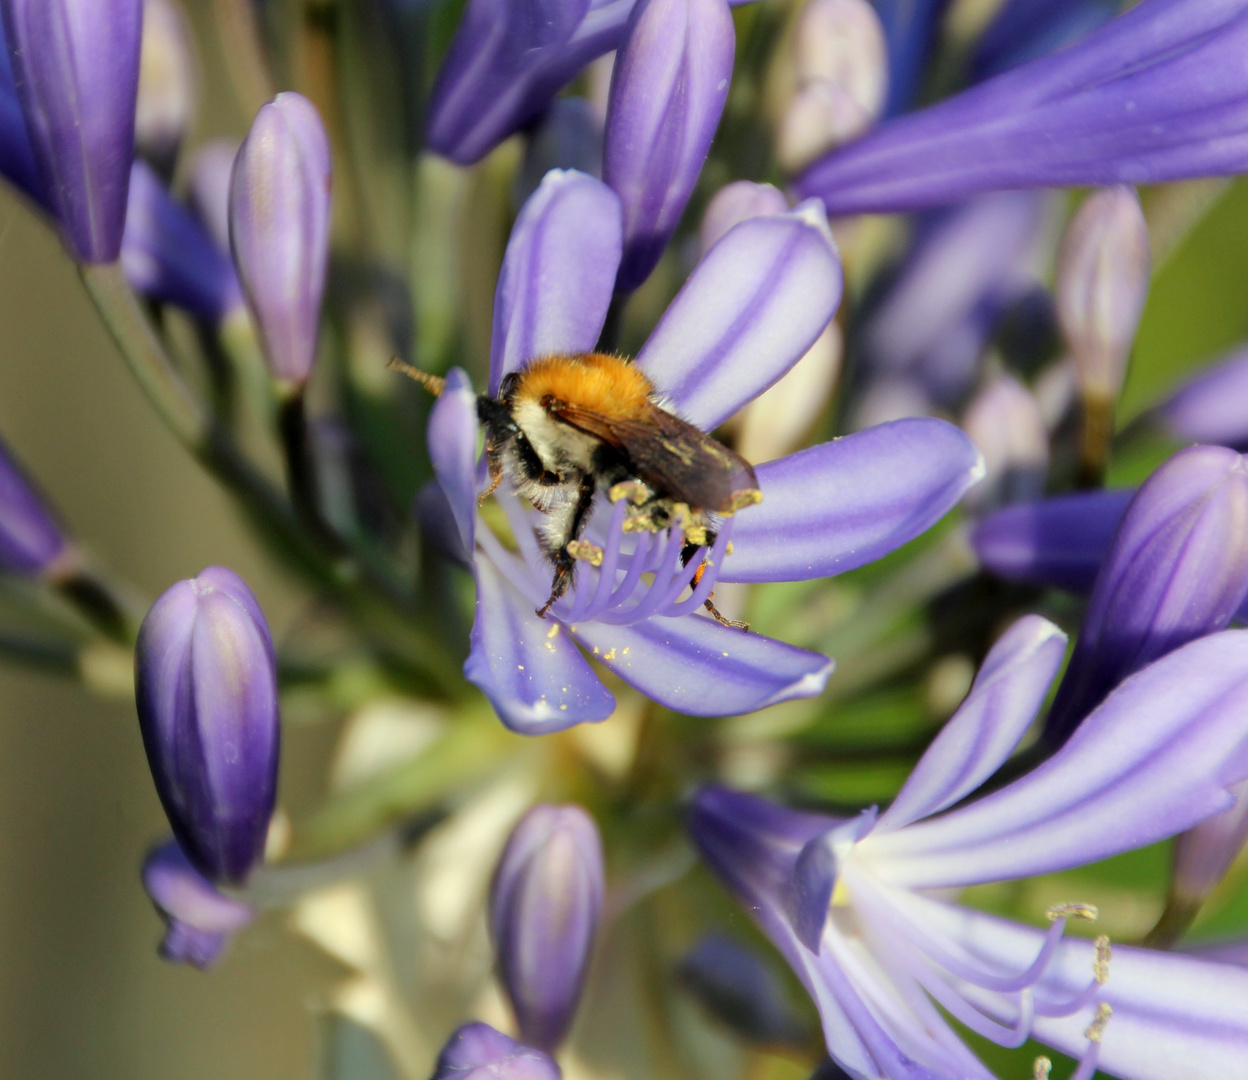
column 563, row 428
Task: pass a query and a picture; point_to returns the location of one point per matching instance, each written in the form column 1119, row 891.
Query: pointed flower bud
column 1177, row 570
column 667, row 94
column 168, row 257
column 734, row 204
column 544, row 906
column 76, row 64
column 206, row 691
column 1004, row 421
column 1102, row 283
column 17, row 156
column 1203, row 855
column 168, row 83
column 199, row 921
column 1022, row 30
column 1212, row 407
column 31, row 540
column 478, row 1052
column 279, row 230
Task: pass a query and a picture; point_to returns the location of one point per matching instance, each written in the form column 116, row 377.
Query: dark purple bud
column 199, row 921
column 478, row 1052
column 738, row 987
column 76, row 65
column 544, row 906
column 1102, row 282
column 1177, row 569
column 569, row 136
column 169, row 258
column 279, row 231
column 1025, row 29
column 667, row 94
column 31, row 541
column 168, row 83
column 17, row 156
column 910, row 29
column 206, row 691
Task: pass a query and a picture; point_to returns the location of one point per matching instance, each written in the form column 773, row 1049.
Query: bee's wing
column 670, row 456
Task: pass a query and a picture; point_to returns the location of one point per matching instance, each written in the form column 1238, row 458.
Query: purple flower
column 206, row 691
column 17, row 156
column 966, row 266
column 1025, row 29
column 910, row 28
column 544, row 906
column 76, row 64
column 1155, row 94
column 668, row 90
column 508, row 60
column 734, row 204
column 32, row 541
column 850, row 904
column 279, row 231
column 1005, row 422
column 199, row 921
column 478, row 1052
column 1177, row 569
column 168, row 257
column 1212, row 407
column 749, row 311
column 568, row 136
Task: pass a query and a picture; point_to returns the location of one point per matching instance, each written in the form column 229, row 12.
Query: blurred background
column 82, row 992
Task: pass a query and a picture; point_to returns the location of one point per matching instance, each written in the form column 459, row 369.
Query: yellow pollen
column 1041, row 1069
column 1100, row 965
column 840, row 895
column 1086, row 912
column 610, row 655
column 553, row 631
column 1096, row 1029
column 626, row 648
column 586, row 552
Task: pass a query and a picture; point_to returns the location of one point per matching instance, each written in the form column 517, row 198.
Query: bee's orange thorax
column 609, row 385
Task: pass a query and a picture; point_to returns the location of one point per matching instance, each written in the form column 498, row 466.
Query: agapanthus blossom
column 748, row 312
column 1155, row 94
column 849, row 902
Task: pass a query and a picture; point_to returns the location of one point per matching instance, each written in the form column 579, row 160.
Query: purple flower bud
column 169, row 258
column 667, row 93
column 478, row 1052
column 17, row 156
column 1102, row 283
column 209, row 194
column 1203, row 855
column 544, row 906
column 1004, row 421
column 910, row 28
column 76, row 64
column 734, row 204
column 168, row 83
column 206, row 691
column 569, row 136
column 31, row 540
column 1212, row 407
column 1177, row 569
column 199, row 921
column 1025, row 29
column 279, row 230
column 841, row 64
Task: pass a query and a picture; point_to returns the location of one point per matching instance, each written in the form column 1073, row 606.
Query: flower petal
column 848, row 502
column 1173, row 1015
column 558, row 272
column 452, row 436
column 696, row 666
column 1057, row 541
column 535, row 677
column 1154, row 759
column 747, row 314
column 1007, row 693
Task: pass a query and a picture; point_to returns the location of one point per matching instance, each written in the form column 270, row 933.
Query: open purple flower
column 849, row 901
column 478, row 1052
column 1156, row 94
column 747, row 314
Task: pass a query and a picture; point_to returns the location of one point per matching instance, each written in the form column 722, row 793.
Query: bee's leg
column 494, row 463
column 565, row 565
column 687, row 553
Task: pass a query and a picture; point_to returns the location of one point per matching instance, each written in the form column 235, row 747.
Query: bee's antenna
column 435, row 384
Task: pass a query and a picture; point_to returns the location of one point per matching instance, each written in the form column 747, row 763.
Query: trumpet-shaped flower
column 1155, row 94
column 849, row 902
column 747, row 314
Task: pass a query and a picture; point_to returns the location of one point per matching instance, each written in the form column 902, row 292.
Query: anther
column 1041, row 1068
column 1100, row 965
column 1096, row 1029
column 633, row 490
column 585, row 552
column 1085, row 912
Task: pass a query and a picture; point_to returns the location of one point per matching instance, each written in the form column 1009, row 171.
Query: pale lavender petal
column 848, row 502
column 1173, row 1015
column 558, row 273
column 1155, row 758
column 452, row 438
column 734, row 204
column 1003, row 701
column 533, row 674
column 1059, row 541
column 747, row 314
column 1156, row 94
column 696, row 666
column 1213, row 406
